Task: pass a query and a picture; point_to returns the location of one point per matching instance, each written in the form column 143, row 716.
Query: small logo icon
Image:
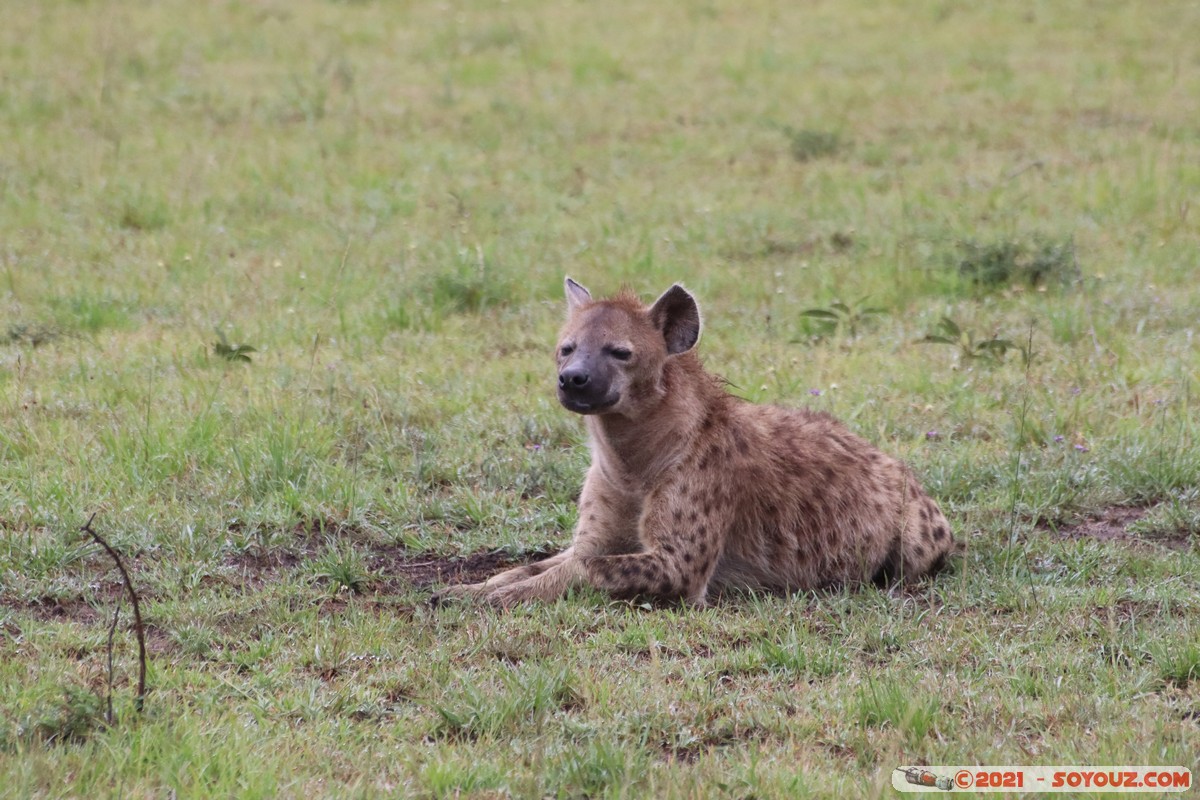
column 923, row 777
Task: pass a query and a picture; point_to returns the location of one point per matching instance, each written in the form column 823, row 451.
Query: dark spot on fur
column 805, row 508
column 702, row 530
column 940, row 532
column 925, row 515
column 687, row 556
column 889, row 570
column 938, row 564
column 668, row 548
column 677, row 515
column 693, row 515
column 703, row 463
column 740, row 443
column 920, row 551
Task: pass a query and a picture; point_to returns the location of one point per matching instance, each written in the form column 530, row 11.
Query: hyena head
column 612, row 353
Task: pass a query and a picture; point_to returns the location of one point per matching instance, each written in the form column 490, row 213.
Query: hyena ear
column 576, row 296
column 678, row 317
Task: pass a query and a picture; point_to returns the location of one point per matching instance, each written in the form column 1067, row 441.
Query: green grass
column 381, row 201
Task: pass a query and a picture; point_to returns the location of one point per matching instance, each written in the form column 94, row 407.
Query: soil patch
column 158, row 641
column 264, row 560
column 422, row 571
column 76, row 608
column 392, row 563
column 61, row 609
column 1112, row 525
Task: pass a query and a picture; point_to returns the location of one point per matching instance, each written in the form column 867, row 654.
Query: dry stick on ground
column 112, row 630
column 137, row 611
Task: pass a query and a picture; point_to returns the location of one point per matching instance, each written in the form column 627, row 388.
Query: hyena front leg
column 682, row 548
column 518, row 574
column 508, row 576
column 654, row 574
column 548, row 585
column 607, row 524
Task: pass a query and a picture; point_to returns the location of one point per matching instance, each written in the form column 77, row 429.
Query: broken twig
column 137, row 613
column 112, row 630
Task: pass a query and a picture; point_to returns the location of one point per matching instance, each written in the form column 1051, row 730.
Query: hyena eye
column 566, row 350
column 621, row 353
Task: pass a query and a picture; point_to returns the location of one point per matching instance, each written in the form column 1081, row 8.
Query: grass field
column 381, row 200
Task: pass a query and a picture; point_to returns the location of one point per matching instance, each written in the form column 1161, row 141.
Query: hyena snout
column 573, row 379
column 584, row 389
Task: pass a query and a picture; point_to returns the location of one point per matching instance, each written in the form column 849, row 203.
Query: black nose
column 572, row 378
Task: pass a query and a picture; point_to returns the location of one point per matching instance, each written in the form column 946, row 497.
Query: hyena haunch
column 692, row 489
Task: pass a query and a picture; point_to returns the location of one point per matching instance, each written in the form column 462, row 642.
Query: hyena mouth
column 580, row 406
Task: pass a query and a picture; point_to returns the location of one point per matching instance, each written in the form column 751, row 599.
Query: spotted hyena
column 691, row 489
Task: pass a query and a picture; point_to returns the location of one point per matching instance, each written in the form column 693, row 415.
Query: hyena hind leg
column 911, row 558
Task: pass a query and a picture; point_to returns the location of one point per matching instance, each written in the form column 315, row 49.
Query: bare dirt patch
column 158, row 641
column 1113, row 524
column 1128, row 610
column 422, row 571
column 393, row 568
column 393, row 564
column 264, row 561
column 60, row 609
column 101, row 598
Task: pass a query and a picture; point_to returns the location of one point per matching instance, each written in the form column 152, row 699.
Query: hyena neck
column 639, row 447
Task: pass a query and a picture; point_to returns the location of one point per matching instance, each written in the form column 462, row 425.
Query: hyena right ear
column 577, row 296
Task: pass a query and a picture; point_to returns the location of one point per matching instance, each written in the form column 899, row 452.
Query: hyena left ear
column 678, row 317
column 576, row 295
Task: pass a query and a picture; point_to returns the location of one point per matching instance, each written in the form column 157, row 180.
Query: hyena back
column 691, row 489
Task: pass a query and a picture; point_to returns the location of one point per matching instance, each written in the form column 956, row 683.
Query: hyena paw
column 505, row 597
column 461, row 591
